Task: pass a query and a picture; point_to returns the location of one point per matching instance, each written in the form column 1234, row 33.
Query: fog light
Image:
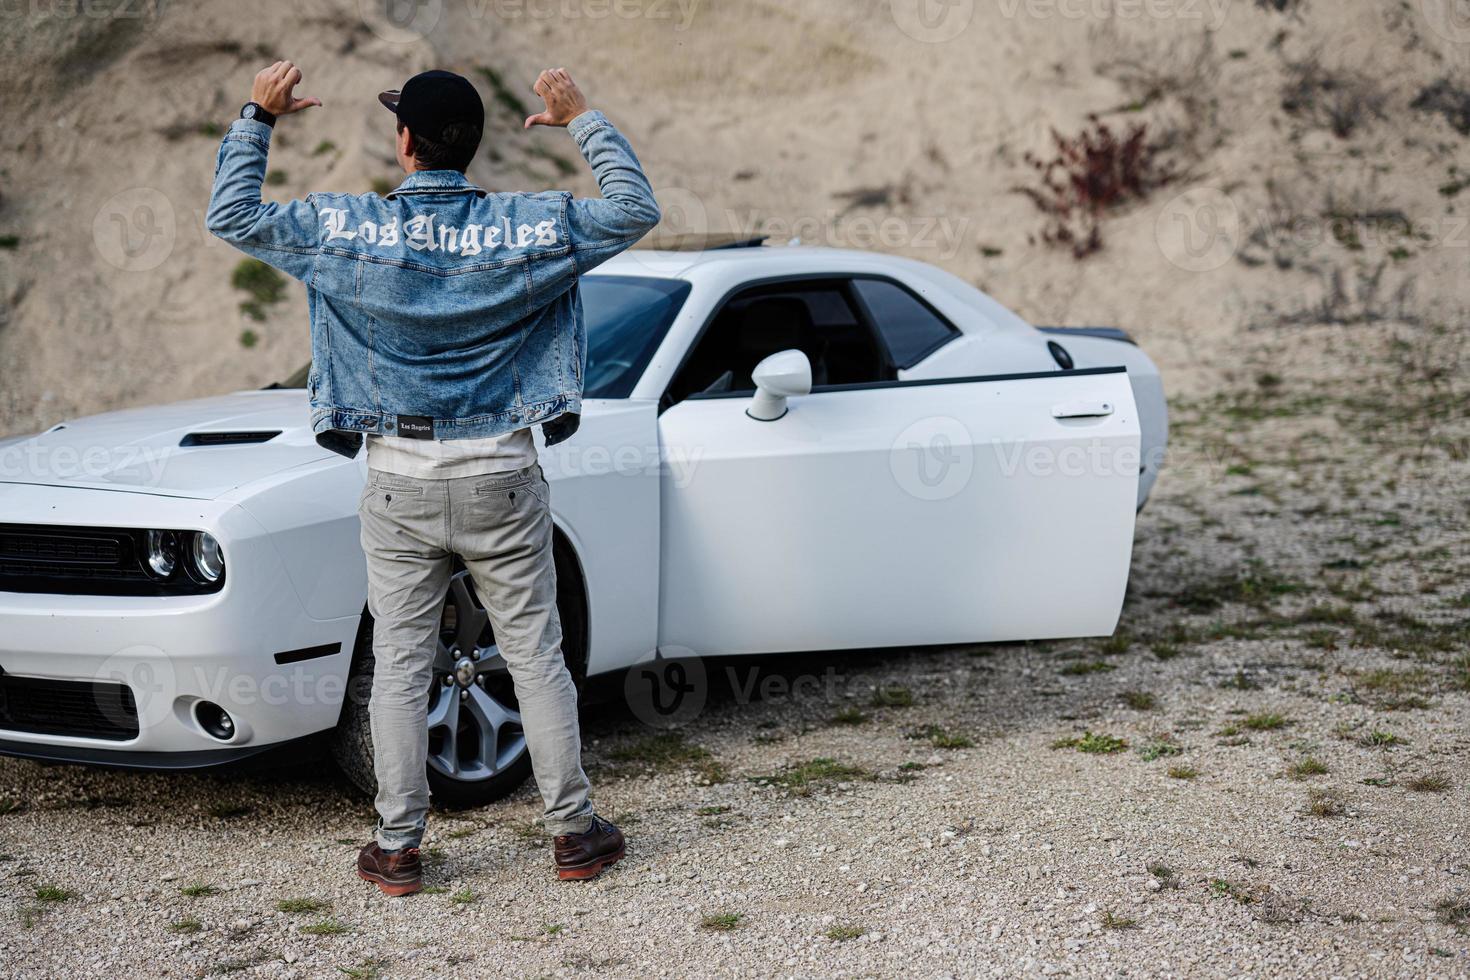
column 209, row 561
column 215, row 720
column 163, row 553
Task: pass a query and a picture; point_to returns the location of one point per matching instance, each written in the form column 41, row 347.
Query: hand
column 274, row 90
column 564, row 101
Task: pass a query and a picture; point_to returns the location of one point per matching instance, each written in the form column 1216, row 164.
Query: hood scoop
column 248, row 438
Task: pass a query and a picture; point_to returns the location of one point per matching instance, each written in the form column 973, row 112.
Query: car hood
column 198, row 449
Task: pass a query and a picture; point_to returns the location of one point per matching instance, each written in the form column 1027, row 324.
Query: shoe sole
column 592, row 868
column 391, row 890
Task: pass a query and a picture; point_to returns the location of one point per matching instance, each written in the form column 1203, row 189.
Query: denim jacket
column 439, row 311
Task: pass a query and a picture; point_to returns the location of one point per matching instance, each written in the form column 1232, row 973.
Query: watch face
column 248, row 112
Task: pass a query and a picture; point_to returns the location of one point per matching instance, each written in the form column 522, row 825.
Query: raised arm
column 282, row 235
column 600, row 227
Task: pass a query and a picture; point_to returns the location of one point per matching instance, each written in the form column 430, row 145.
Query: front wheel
column 477, row 745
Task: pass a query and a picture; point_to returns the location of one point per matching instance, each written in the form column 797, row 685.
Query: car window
column 815, row 317
column 627, row 318
column 911, row 329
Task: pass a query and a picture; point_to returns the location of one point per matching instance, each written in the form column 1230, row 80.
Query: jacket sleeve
column 603, row 227
column 282, row 235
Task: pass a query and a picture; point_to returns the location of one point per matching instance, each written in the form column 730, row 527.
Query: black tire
column 352, row 743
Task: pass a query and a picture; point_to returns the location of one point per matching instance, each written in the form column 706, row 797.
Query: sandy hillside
column 851, row 123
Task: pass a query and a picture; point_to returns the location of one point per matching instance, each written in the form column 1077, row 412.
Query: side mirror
column 777, row 378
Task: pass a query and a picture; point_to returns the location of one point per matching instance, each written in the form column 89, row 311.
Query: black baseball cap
column 433, row 100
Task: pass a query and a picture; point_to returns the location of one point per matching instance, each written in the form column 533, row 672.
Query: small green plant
column 1164, row 874
column 942, row 739
column 1231, row 890
column 51, row 893
column 326, row 927
column 1307, row 767
column 667, row 751
column 8, row 806
column 1183, row 772
column 1453, row 911
column 186, row 925
column 1268, row 721
column 1111, row 921
column 275, row 178
column 1379, row 739
column 1083, row 668
column 893, row 697
column 198, row 890
column 1139, row 700
column 302, row 906
column 842, row 933
column 1430, row 783
column 464, row 897
column 849, row 716
column 262, row 285
column 711, row 811
column 1326, row 803
column 1161, row 747
column 249, row 338
column 381, row 186
column 803, row 778
column 323, row 148
column 721, row 921
column 9, row 241
column 369, row 969
column 1092, row 743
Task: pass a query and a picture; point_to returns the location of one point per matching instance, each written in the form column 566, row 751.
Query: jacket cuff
column 585, row 125
column 250, row 129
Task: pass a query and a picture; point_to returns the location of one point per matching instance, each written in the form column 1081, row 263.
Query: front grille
column 79, row 708
column 86, row 561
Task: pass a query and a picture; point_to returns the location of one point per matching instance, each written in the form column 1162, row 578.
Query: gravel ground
column 1263, row 774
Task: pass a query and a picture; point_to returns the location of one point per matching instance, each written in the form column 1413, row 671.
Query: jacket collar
column 435, row 182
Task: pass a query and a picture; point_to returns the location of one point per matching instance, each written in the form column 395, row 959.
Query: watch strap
column 256, row 111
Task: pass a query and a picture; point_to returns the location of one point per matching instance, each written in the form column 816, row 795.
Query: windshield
column 627, row 317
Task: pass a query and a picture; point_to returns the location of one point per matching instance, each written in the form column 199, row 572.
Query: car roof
column 761, row 262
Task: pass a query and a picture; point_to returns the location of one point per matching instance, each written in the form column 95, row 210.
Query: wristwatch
column 254, row 110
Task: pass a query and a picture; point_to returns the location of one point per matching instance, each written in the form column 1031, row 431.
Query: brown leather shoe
column 583, row 856
column 401, row 873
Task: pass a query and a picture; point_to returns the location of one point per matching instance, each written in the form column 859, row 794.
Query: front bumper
column 176, row 652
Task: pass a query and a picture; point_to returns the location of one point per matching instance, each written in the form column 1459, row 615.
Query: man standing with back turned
column 445, row 323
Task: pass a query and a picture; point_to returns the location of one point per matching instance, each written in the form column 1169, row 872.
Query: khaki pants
column 500, row 527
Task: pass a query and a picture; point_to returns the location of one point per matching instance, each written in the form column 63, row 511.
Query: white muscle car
column 782, row 449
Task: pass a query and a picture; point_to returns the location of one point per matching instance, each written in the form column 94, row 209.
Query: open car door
column 899, row 513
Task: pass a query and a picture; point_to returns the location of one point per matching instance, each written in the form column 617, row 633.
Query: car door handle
column 1082, row 410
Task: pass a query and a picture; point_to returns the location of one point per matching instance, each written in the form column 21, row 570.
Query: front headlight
column 209, row 561
column 163, row 553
